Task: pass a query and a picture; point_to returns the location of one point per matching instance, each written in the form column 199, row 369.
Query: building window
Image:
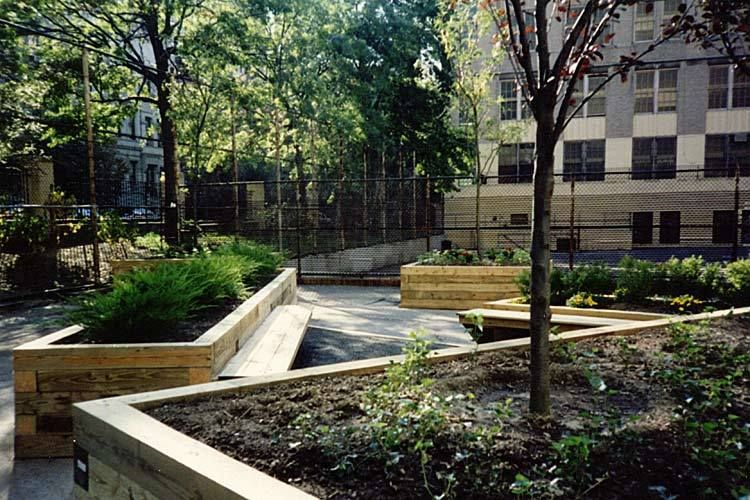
column 671, row 9
column 724, row 226
column 512, row 104
column 654, row 157
column 643, row 228
column 656, row 90
column 727, row 88
column 596, row 106
column 563, row 244
column 519, row 219
column 726, row 152
column 669, row 227
column 644, row 22
column 152, row 181
column 515, row 163
column 584, row 159
column 133, row 173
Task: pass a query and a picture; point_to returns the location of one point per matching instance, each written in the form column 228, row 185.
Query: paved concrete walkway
column 26, row 479
column 375, row 311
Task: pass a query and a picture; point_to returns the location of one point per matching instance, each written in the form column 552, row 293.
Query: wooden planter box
column 123, row 453
column 50, row 377
column 456, row 287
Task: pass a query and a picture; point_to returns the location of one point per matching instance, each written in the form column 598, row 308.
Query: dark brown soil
column 311, row 435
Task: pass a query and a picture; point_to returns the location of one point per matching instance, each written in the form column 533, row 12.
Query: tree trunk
column 161, row 79
column 539, row 324
column 339, row 197
column 277, row 153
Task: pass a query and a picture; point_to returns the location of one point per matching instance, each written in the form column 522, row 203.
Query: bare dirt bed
column 645, row 416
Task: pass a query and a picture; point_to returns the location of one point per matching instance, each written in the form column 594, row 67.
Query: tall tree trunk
column 478, row 175
column 572, row 228
column 400, row 194
column 161, row 80
column 539, row 324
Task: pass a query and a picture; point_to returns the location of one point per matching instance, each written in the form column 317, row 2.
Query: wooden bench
column 519, row 320
column 273, row 346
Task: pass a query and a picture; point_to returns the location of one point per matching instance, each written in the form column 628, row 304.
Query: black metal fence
column 361, row 227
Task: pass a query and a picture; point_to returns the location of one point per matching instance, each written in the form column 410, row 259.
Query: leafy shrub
column 689, row 275
column 263, row 260
column 23, row 232
column 112, row 229
column 593, row 279
column 145, row 303
column 508, row 257
column 152, row 242
column 557, row 286
column 635, row 280
column 581, row 300
column 453, row 257
column 737, row 287
column 685, row 304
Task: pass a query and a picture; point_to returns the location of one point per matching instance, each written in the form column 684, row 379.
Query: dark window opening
column 643, row 228
column 724, row 153
column 519, row 219
column 669, row 227
column 563, row 245
column 724, row 226
column 584, row 159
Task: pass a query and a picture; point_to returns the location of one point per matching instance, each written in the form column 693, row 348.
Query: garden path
column 26, row 479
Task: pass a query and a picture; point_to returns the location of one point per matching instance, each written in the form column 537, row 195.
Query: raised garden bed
column 270, row 423
column 456, row 287
column 50, row 376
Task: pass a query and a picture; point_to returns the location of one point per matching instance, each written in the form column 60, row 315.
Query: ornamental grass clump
column 147, row 304
column 262, row 259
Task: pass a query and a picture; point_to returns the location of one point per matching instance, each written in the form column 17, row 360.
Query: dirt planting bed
column 661, row 413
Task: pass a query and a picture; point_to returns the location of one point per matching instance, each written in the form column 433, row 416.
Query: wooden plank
column 43, row 445
column 167, row 463
column 199, row 375
column 472, row 296
column 105, row 482
column 462, row 287
column 116, row 381
column 112, row 356
column 444, row 304
column 462, row 270
column 273, row 347
column 511, row 319
column 610, row 313
column 24, row 381
column 53, row 403
column 25, row 425
column 408, row 281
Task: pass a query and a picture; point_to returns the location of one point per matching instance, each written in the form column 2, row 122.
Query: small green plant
column 737, row 288
column 635, row 280
column 453, row 257
column 476, row 329
column 581, row 300
column 112, row 229
column 23, row 232
column 152, row 242
column 593, row 279
column 508, row 257
column 685, row 304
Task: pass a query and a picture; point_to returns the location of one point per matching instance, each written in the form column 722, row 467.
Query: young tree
column 464, row 33
column 723, row 25
column 547, row 73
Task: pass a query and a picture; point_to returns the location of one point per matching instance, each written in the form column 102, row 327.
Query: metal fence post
column 428, row 213
column 299, row 230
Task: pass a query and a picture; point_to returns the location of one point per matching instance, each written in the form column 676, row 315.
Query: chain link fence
column 369, row 227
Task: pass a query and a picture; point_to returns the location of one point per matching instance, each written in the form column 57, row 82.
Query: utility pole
column 572, row 235
column 91, row 166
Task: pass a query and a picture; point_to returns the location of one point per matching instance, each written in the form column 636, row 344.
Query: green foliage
column 152, row 242
column 112, row 229
column 23, row 232
column 635, row 281
column 508, row 256
column 457, row 257
column 737, row 289
column 593, row 279
column 558, row 294
column 147, row 303
column 691, row 274
column 705, row 374
column 263, row 258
